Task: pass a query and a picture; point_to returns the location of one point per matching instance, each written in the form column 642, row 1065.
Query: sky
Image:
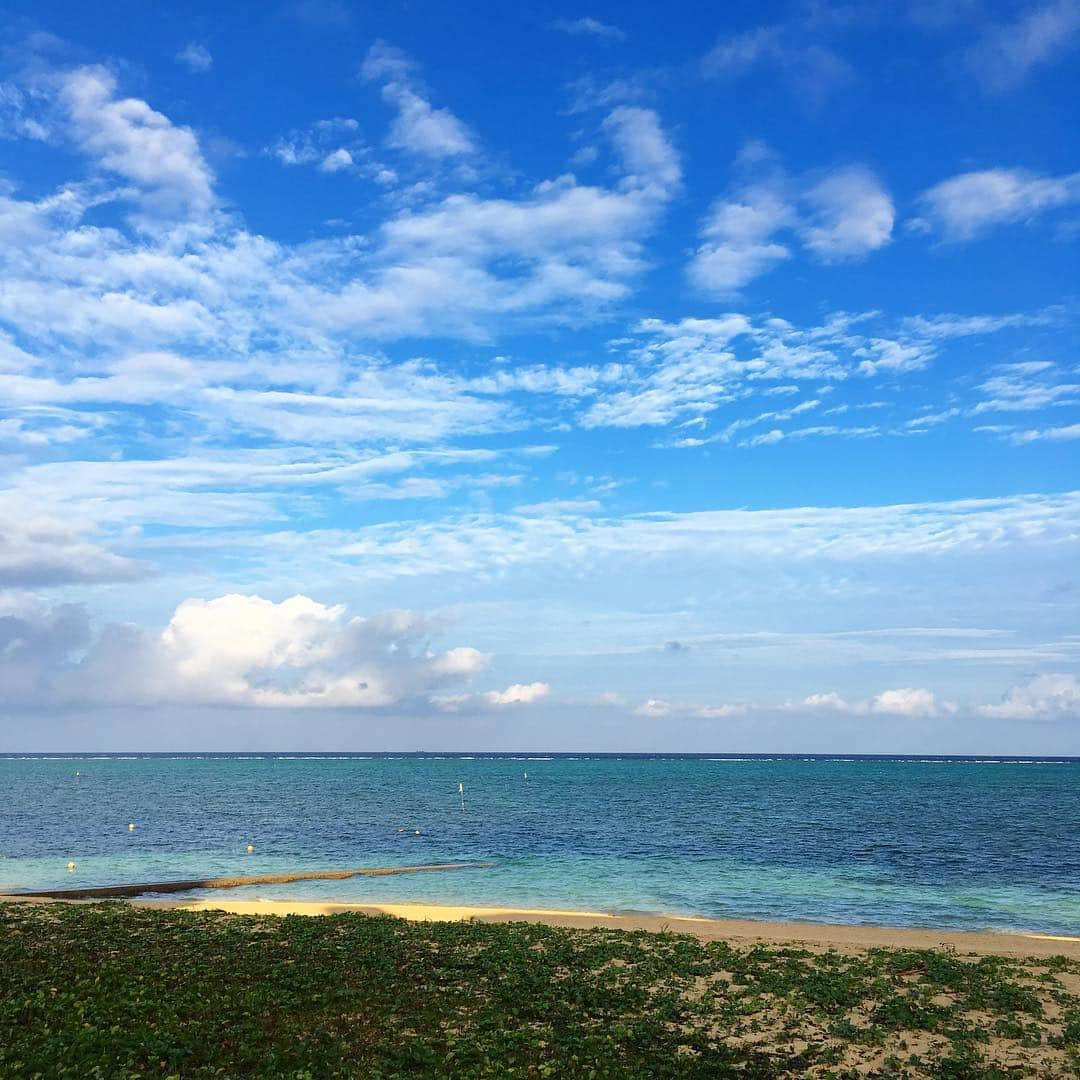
column 539, row 377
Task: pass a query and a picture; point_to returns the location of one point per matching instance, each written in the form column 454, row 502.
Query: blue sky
column 626, row 377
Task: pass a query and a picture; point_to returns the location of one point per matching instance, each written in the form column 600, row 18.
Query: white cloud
column 811, row 69
column 590, row 27
column 943, row 327
column 336, row 160
column 588, row 92
column 227, row 300
column 686, row 370
column 846, row 214
column 849, row 215
column 658, row 708
column 1026, row 386
column 487, row 543
column 127, row 137
column 422, row 129
column 737, row 240
column 232, row 651
column 518, row 694
column 196, row 57
column 463, row 660
column 653, row 708
column 41, row 552
column 1063, row 433
column 649, row 158
column 912, row 702
column 967, row 205
column 720, row 712
column 419, row 127
column 241, row 487
column 776, row 435
column 909, row 701
column 332, row 145
column 1006, row 54
column 1044, row 697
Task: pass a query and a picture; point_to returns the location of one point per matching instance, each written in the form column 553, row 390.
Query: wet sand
column 741, row 932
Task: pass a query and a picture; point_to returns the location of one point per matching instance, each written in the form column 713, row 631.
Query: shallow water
column 903, row 842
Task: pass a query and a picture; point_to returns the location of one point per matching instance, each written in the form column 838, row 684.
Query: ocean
column 958, row 843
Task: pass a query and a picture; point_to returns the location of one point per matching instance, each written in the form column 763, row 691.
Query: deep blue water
column 895, row 841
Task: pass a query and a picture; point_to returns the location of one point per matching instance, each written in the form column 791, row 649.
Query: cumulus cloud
column 653, row 708
column 1044, row 697
column 659, row 708
column 913, row 702
column 965, row 206
column 518, row 694
column 232, row 651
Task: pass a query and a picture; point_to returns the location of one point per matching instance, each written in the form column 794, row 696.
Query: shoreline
column 744, row 932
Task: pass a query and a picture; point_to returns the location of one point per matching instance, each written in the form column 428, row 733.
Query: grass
column 112, row 991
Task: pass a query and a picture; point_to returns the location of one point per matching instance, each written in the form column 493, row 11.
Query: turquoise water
column 900, row 842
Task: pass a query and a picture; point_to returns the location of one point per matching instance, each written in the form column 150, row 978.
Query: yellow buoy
column 131, row 826
column 251, row 848
column 71, row 866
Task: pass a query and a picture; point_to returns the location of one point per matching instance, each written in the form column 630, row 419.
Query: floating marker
column 417, row 832
column 131, row 826
column 461, row 792
column 526, row 776
column 251, row 848
column 402, row 829
column 71, row 866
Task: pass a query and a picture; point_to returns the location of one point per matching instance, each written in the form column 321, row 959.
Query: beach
column 739, row 932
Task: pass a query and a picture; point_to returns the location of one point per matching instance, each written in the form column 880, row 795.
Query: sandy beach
column 816, row 936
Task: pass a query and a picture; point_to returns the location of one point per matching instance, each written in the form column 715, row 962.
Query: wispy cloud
column 966, row 206
column 589, row 27
column 1007, row 53
column 419, row 127
column 811, row 69
column 195, row 57
column 846, row 214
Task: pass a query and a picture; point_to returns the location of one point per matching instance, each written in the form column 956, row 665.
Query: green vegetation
column 108, row 990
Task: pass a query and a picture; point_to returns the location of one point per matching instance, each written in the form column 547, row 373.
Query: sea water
column 939, row 842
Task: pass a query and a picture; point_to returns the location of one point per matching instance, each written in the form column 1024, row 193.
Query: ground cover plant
column 108, row 990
